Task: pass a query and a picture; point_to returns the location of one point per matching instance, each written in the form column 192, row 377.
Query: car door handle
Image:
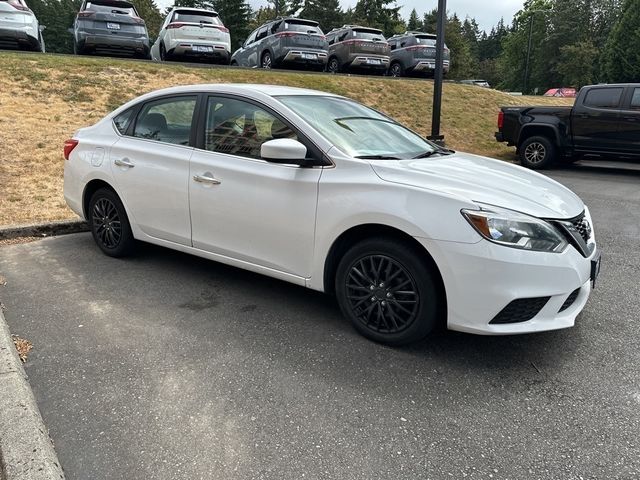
column 206, row 178
column 123, row 162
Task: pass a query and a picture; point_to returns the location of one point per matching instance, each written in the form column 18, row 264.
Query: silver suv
column 110, row 26
column 353, row 47
column 284, row 42
column 415, row 53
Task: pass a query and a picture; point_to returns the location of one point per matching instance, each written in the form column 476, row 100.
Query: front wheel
column 109, row 224
column 396, row 70
column 537, row 153
column 387, row 291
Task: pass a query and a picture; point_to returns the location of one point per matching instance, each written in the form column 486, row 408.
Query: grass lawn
column 45, row 98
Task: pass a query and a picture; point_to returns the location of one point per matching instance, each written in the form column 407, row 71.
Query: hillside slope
column 45, row 98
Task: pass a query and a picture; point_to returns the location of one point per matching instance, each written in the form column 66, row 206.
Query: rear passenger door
column 150, row 166
column 630, row 121
column 596, row 120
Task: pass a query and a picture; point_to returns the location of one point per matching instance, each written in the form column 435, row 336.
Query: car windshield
column 305, row 27
column 357, row 130
column 368, row 35
column 121, row 8
column 196, row 17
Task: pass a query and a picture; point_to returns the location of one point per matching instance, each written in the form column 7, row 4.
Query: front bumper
column 481, row 279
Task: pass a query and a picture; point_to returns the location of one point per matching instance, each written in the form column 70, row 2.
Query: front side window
column 357, row 130
column 262, row 33
column 236, row 127
column 635, row 100
column 167, row 120
column 603, row 97
column 251, row 39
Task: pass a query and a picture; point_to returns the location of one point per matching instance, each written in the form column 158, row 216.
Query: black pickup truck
column 603, row 122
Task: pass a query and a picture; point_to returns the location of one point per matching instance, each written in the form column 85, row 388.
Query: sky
column 486, row 12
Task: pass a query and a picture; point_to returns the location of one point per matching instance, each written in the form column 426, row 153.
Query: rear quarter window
column 635, row 99
column 122, row 121
column 603, row 97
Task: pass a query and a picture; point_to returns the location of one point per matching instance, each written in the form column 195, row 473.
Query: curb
column 26, row 451
column 62, row 227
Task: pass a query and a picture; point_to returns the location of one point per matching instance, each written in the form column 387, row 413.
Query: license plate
column 595, row 269
column 309, row 56
column 373, row 61
column 198, row 48
column 113, row 26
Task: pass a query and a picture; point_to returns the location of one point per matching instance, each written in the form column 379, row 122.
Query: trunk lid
column 365, row 40
column 302, row 33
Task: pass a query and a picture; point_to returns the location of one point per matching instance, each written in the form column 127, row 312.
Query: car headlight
column 515, row 230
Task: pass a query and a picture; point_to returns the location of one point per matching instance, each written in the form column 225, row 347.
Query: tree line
column 567, row 42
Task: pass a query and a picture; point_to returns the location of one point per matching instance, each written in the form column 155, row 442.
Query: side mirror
column 70, row 30
column 283, row 150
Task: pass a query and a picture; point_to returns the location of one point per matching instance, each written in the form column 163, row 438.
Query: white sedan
column 318, row 190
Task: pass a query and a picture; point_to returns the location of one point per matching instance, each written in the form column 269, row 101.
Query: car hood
column 484, row 180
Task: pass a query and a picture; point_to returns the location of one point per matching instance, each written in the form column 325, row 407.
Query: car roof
column 242, row 88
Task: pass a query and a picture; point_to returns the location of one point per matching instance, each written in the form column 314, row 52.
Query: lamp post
column 438, row 75
column 525, row 80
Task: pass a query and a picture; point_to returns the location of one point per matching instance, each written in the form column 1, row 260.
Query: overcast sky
column 487, row 12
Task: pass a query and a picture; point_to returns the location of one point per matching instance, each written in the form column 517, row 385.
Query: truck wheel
column 537, row 153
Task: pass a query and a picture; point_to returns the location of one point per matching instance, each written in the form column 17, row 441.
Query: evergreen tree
column 414, row 23
column 57, row 16
column 382, row 14
column 150, row 13
column 622, row 62
column 430, row 21
column 236, row 16
column 326, row 12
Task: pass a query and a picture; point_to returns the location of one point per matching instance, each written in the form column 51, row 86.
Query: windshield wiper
column 440, row 151
column 377, row 157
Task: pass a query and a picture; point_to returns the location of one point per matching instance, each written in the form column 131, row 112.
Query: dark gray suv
column 111, row 27
column 415, row 53
column 353, row 47
column 284, row 42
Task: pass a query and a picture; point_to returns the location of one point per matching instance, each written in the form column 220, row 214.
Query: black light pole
column 438, row 75
column 526, row 67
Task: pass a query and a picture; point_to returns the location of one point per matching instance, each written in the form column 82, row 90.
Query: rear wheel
column 163, row 53
column 333, row 66
column 396, row 70
column 109, row 224
column 387, row 291
column 537, row 152
column 266, row 61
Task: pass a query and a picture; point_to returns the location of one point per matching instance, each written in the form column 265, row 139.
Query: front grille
column 581, row 224
column 570, row 299
column 520, row 310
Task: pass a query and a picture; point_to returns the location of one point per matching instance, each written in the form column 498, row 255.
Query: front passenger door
column 242, row 206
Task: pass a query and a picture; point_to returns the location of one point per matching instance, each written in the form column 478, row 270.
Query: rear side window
column 167, row 120
column 123, row 121
column 603, row 97
column 187, row 16
column 635, row 100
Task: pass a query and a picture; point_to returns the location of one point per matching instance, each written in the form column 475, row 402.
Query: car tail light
column 500, row 119
column 175, row 25
column 69, row 145
column 86, row 13
column 18, row 6
column 138, row 20
column 415, row 47
column 286, row 34
column 222, row 28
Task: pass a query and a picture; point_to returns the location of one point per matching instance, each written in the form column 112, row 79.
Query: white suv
column 192, row 33
column 19, row 27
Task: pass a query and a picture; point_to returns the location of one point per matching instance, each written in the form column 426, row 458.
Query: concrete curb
column 26, row 451
column 43, row 229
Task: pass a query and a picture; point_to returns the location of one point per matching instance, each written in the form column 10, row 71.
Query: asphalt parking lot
column 167, row 366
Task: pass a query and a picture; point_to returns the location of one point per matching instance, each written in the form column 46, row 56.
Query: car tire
column 396, row 70
column 537, row 152
column 333, row 65
column 387, row 291
column 163, row 53
column 233, row 63
column 266, row 61
column 109, row 224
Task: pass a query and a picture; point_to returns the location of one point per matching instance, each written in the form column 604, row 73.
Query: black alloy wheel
column 266, row 61
column 387, row 291
column 333, row 66
column 396, row 70
column 109, row 224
